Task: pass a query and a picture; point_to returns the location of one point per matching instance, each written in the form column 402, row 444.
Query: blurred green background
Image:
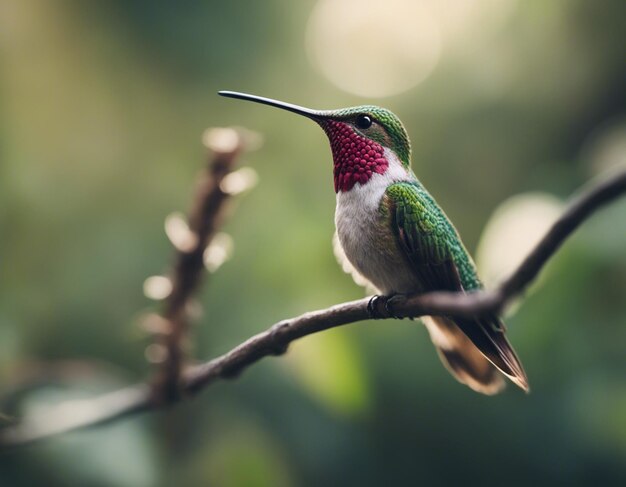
column 102, row 107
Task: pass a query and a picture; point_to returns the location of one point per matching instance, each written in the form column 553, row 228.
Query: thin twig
column 275, row 340
column 205, row 217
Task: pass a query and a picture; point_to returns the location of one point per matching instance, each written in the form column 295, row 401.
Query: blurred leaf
column 598, row 403
column 118, row 455
column 513, row 230
column 329, row 367
column 243, row 456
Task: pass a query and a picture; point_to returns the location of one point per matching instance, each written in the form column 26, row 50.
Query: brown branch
column 205, row 217
column 275, row 340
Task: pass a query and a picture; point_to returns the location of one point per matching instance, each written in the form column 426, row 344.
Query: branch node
column 278, row 345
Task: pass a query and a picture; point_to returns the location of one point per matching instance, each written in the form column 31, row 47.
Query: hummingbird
column 393, row 237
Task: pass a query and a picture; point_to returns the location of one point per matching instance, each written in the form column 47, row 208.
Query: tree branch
column 274, row 341
column 205, row 217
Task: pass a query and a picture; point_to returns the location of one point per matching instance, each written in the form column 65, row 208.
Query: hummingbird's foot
column 372, row 307
column 391, row 301
column 388, row 303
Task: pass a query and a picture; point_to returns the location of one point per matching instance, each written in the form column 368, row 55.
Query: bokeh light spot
column 179, row 233
column 373, row 48
column 376, row 49
column 218, row 251
column 514, row 229
column 222, row 140
column 157, row 287
column 155, row 353
column 239, row 181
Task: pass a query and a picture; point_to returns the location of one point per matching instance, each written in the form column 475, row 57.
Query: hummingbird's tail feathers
column 462, row 358
column 488, row 336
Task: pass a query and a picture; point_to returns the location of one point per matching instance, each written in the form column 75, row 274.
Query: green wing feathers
column 429, row 239
column 436, row 254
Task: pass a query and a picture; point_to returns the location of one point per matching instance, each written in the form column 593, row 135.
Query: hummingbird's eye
column 363, row 122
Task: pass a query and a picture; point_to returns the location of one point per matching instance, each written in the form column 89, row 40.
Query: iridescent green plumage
column 440, row 262
column 429, row 238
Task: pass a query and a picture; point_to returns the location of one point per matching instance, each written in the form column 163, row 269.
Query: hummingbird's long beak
column 316, row 115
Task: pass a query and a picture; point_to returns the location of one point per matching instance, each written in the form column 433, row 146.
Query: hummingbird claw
column 388, row 303
column 372, row 307
column 392, row 300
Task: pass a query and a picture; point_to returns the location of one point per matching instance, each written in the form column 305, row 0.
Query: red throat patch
column 355, row 157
